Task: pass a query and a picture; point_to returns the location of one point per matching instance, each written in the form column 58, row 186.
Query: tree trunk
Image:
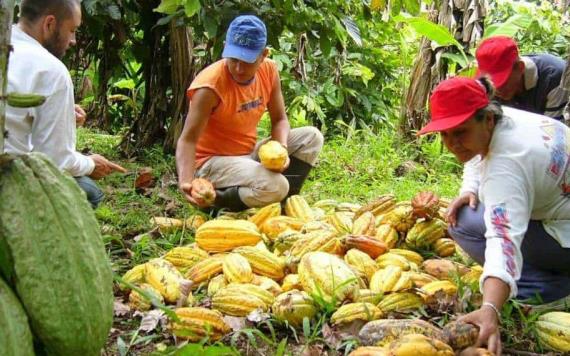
column 182, row 72
column 149, row 127
column 6, row 16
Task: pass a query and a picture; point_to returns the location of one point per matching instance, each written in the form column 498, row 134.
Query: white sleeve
column 471, row 176
column 507, row 195
column 54, row 132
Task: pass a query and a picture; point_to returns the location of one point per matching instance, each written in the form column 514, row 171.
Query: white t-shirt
column 49, row 128
column 523, row 177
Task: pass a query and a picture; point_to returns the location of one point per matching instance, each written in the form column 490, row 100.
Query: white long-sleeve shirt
column 49, row 128
column 523, row 177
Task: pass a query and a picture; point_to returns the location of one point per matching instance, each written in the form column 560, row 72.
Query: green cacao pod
column 293, row 306
column 426, row 233
column 53, row 257
column 15, row 337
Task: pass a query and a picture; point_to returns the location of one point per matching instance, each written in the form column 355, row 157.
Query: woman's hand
column 488, row 322
column 464, row 199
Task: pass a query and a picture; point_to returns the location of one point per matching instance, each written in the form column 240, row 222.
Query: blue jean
column 94, row 194
column 546, row 267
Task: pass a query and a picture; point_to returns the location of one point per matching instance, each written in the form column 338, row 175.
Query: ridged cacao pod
column 273, row 155
column 324, row 241
column 266, row 213
column 476, row 351
column 166, row 225
column 425, row 205
column 290, row 282
column 365, row 224
column 387, row 234
column 400, row 302
column 384, row 331
column 460, row 335
column 371, row 246
column 313, row 226
column 297, row 207
column 472, row 277
column 444, row 247
column 139, row 302
column 16, row 336
column 203, row 191
column 390, row 279
column 425, row 233
column 342, row 221
column 197, row 323
column 184, row 258
column 368, row 296
column 236, row 269
column 216, row 284
column 431, row 290
column 369, row 351
column 348, row 207
column 328, row 276
column 392, row 259
column 553, row 331
column 236, row 304
column 225, row 235
column 361, row 262
column 135, row 275
column 163, row 277
column 285, row 241
column 206, row 269
column 355, row 311
column 273, row 227
column 249, row 289
column 293, row 306
column 267, row 284
column 263, row 262
column 420, row 279
column 418, row 344
column 380, row 205
column 194, row 221
column 444, row 269
column 400, row 218
column 411, row 256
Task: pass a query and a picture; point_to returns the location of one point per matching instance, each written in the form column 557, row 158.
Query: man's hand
column 488, row 322
column 186, row 190
column 465, row 198
column 104, row 167
column 80, row 116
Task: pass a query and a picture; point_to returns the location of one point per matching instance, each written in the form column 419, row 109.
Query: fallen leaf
column 151, row 319
column 234, row 322
column 314, row 350
column 331, row 336
column 120, row 308
column 144, row 179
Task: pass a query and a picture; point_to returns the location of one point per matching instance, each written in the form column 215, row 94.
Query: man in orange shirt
column 218, row 143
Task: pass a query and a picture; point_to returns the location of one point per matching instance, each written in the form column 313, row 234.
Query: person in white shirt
column 513, row 213
column 44, row 32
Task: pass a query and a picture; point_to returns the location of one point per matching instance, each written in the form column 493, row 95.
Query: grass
column 355, row 167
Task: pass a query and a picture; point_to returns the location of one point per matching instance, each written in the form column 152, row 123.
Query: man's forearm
column 185, row 161
column 280, row 131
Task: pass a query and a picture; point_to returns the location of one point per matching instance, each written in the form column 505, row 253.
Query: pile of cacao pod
column 365, row 262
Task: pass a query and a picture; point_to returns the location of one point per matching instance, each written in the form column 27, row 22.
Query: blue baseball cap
column 246, row 38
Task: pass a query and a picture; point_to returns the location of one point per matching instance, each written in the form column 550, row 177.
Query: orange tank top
column 232, row 127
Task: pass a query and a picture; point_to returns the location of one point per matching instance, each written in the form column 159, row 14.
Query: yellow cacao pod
column 432, row 290
column 444, row 247
column 135, row 275
column 400, row 302
column 553, row 331
column 293, row 306
column 206, row 269
column 285, row 240
column 297, row 207
column 400, row 218
column 328, row 205
column 312, row 226
column 275, row 226
column 420, row 279
column 216, row 284
column 163, row 277
column 267, row 284
column 444, row 269
column 365, row 224
column 166, row 225
column 390, row 279
column 327, row 276
column 263, row 262
column 472, row 277
column 290, row 282
column 249, row 289
column 236, row 304
column 325, row 241
column 384, row 331
column 139, row 302
column 368, row 296
column 378, row 206
column 197, row 323
column 348, row 207
column 460, row 335
column 369, row 351
column 225, row 235
column 355, row 311
column 184, row 258
column 236, row 269
column 411, row 256
column 361, row 262
column 392, row 259
column 387, row 234
column 273, row 155
column 425, row 233
column 342, row 221
column 265, row 213
column 195, row 221
column 418, row 344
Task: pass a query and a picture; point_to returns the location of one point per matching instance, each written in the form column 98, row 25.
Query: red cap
column 496, row 56
column 453, row 102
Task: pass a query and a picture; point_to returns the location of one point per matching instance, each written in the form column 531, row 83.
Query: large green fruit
column 15, row 336
column 53, row 256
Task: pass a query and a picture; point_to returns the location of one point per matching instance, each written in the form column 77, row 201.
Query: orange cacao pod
column 203, row 191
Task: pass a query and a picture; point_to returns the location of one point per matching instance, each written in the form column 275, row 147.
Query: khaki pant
column 258, row 185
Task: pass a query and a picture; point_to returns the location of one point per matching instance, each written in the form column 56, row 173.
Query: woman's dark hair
column 494, row 106
column 32, row 10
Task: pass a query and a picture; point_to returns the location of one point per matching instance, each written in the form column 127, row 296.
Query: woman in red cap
column 513, row 212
